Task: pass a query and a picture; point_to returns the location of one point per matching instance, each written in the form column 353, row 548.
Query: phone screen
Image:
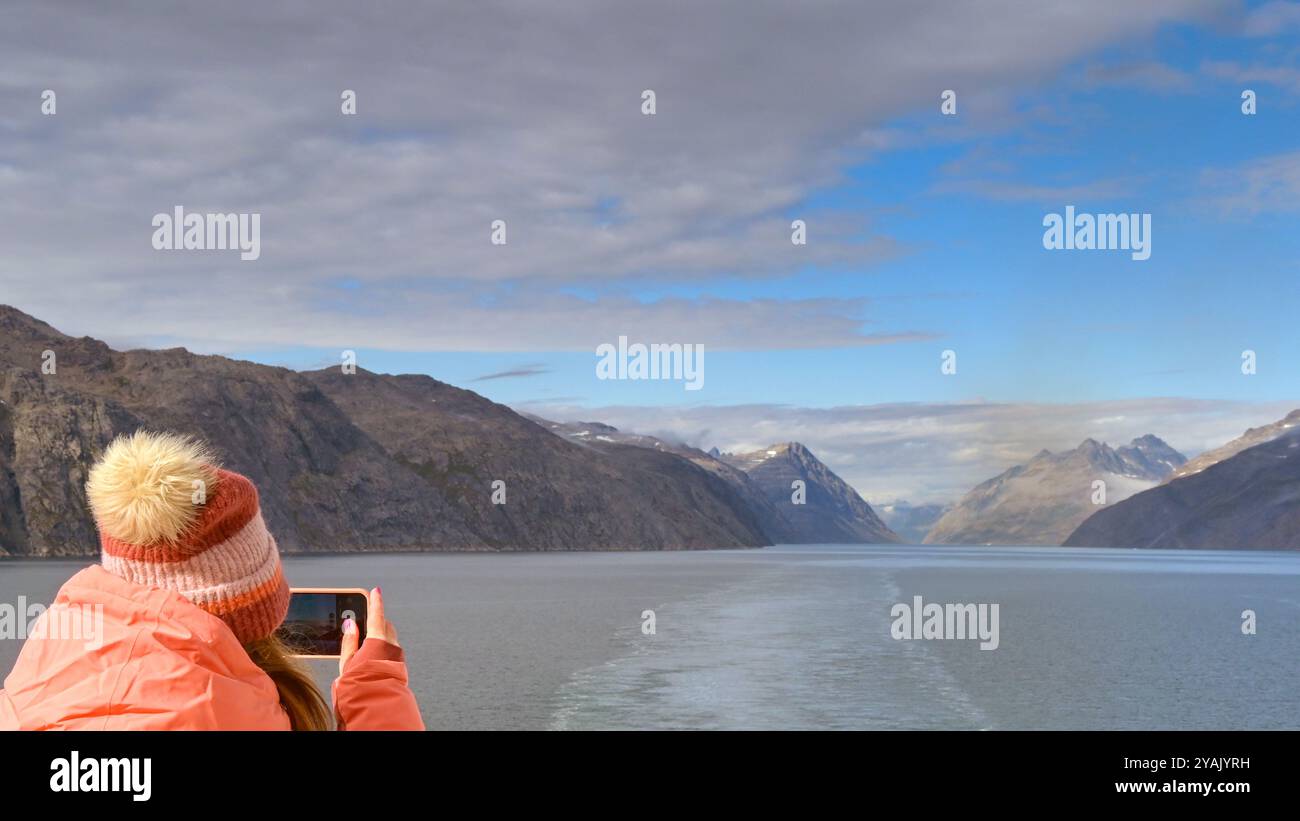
column 314, row 625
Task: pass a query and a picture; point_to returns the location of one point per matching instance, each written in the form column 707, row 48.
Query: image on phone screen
column 314, row 625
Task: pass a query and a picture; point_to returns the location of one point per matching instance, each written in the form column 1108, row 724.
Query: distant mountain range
column 831, row 511
column 365, row 462
column 362, row 461
column 911, row 522
column 1245, row 494
column 1042, row 501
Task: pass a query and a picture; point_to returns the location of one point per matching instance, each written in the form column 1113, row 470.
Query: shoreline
column 404, row 551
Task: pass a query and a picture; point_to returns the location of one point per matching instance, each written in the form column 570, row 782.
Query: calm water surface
column 799, row 637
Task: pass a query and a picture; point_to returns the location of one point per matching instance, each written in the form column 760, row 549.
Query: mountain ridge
column 356, row 462
column 1252, row 437
column 832, row 511
column 769, row 495
column 1042, row 501
column 1244, row 494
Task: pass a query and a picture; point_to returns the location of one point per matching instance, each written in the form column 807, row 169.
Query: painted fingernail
column 349, row 627
column 379, row 591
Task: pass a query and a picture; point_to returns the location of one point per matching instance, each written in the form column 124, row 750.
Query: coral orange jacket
column 148, row 659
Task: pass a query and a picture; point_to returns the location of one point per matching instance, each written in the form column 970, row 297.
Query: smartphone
column 314, row 626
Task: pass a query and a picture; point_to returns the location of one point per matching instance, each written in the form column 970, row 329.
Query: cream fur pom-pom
column 146, row 487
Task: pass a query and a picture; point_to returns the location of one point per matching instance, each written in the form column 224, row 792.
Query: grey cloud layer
column 471, row 112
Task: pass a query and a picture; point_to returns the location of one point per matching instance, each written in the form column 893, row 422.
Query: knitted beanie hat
column 169, row 518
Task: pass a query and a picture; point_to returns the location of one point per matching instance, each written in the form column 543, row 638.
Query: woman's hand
column 377, row 627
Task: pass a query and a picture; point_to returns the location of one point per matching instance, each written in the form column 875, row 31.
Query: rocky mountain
column 832, row 511
column 1150, row 456
column 343, row 462
column 1042, row 501
column 1252, row 437
column 912, row 522
column 847, row 517
column 624, row 445
column 1246, row 494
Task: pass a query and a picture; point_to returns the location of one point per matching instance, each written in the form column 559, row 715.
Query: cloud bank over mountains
column 935, row 452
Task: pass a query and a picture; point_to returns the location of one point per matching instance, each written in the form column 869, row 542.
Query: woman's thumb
column 351, row 640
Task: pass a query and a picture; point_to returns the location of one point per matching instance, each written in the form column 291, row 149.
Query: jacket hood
column 112, row 654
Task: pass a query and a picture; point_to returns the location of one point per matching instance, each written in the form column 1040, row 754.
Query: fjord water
column 799, row 637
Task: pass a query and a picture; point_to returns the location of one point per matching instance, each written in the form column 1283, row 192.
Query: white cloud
column 1268, row 184
column 1142, row 74
column 1273, row 18
column 226, row 318
column 1284, row 77
column 467, row 113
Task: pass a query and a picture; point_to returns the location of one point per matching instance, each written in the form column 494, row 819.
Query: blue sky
column 963, row 197
column 924, row 231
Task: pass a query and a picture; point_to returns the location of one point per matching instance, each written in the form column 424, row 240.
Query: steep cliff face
column 343, row 462
column 50, row 431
